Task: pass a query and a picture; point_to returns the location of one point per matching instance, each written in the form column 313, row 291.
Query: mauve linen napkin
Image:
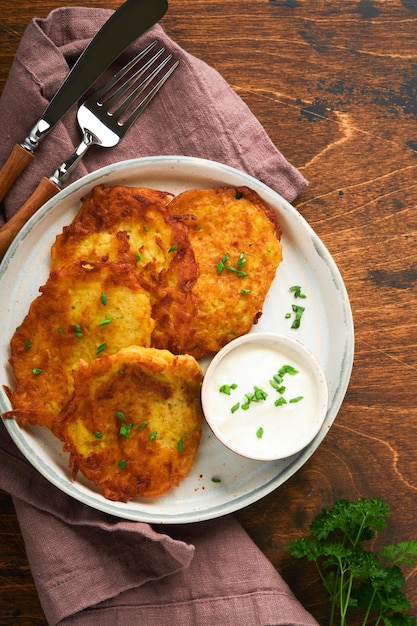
column 89, row 567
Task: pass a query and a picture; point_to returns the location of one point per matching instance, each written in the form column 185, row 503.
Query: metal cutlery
column 126, row 24
column 104, row 118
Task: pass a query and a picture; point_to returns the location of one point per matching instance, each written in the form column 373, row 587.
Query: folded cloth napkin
column 89, row 567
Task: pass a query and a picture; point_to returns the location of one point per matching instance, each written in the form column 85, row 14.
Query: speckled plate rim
column 327, row 330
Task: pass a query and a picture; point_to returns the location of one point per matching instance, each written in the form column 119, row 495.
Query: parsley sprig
column 354, row 577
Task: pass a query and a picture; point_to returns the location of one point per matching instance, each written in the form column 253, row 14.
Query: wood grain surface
column 335, row 86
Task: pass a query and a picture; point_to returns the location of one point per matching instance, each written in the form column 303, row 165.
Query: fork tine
column 127, row 84
column 142, row 105
column 141, row 88
column 97, row 95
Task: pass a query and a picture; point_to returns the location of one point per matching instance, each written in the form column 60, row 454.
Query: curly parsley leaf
column 355, row 577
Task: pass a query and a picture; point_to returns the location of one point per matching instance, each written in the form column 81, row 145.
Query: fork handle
column 18, row 160
column 43, row 192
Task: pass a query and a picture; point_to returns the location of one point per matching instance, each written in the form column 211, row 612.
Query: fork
column 104, row 119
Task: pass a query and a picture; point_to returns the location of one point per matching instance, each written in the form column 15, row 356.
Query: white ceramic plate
column 326, row 329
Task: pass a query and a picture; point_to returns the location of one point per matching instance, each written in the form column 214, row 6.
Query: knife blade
column 131, row 19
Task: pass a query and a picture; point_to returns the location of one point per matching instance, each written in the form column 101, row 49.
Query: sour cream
column 265, row 396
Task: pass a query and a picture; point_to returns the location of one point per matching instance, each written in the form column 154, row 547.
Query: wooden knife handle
column 18, row 160
column 43, row 192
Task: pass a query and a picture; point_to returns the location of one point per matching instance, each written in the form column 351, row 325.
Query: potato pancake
column 84, row 310
column 133, row 424
column 236, row 243
column 125, row 225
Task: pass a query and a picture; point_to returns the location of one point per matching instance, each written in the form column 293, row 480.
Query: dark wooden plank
column 19, row 602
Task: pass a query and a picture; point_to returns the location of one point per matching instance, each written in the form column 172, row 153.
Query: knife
column 131, row 19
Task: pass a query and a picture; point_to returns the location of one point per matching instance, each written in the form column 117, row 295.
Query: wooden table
column 335, row 85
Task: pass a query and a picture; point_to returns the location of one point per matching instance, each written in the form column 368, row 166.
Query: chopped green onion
column 106, row 321
column 298, row 310
column 101, row 348
column 222, row 263
column 257, row 395
column 296, row 289
column 138, row 256
column 97, row 434
column 216, row 479
column 143, row 425
column 120, row 416
column 125, row 430
column 153, row 435
column 173, row 247
column 37, row 371
column 297, row 399
column 260, row 432
column 28, row 344
column 235, row 407
column 281, row 401
column 287, row 369
column 180, row 445
column 227, row 388
column 236, row 270
column 78, row 331
column 260, row 394
column 60, row 330
column 275, row 384
column 104, row 299
column 122, row 464
column 241, row 260
column 245, row 291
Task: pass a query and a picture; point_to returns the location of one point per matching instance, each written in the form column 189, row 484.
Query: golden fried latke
column 84, row 310
column 132, row 225
column 236, row 243
column 124, row 225
column 133, row 423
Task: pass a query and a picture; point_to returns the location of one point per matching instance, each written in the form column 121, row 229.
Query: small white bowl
column 265, row 396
